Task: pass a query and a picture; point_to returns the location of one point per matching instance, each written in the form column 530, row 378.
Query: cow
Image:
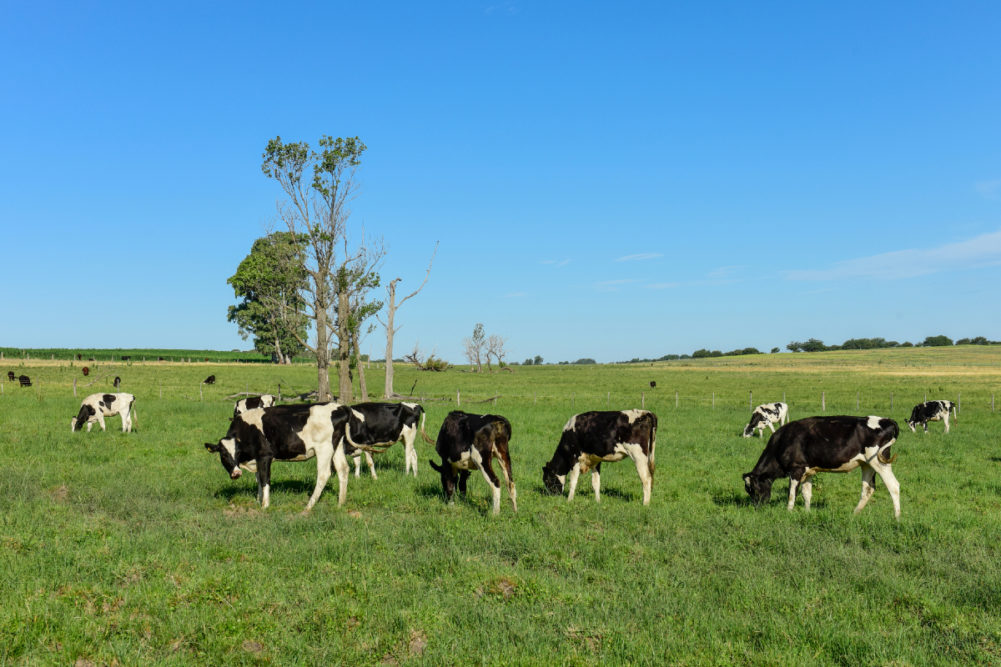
column 468, row 442
column 117, row 383
column 932, row 411
column 96, row 407
column 24, row 380
column 767, row 414
column 11, row 376
column 801, row 449
column 287, row 433
column 375, row 427
column 253, row 402
column 591, row 438
column 209, row 380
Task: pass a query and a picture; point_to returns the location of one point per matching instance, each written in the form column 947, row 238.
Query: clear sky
column 607, row 180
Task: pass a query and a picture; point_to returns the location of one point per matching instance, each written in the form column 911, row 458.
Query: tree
column 270, row 284
column 391, row 330
column 495, row 349
column 316, row 209
column 355, row 277
column 474, row 347
column 538, row 360
column 937, row 341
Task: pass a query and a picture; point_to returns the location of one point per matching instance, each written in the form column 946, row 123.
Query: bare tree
column 354, row 279
column 475, row 346
column 391, row 330
column 316, row 209
column 495, row 349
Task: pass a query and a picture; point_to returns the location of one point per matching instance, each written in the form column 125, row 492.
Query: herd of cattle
column 261, row 432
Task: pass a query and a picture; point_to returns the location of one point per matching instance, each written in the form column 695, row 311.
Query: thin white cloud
column 978, row 252
column 989, row 189
column 640, row 257
column 662, row 285
column 556, row 262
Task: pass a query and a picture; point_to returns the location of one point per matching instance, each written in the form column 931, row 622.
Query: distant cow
column 932, row 411
column 24, row 380
column 287, row 433
column 85, row 370
column 591, row 438
column 375, row 427
column 11, row 376
column 252, row 403
column 209, row 380
column 118, row 382
column 764, row 415
column 468, row 442
column 801, row 449
column 96, row 407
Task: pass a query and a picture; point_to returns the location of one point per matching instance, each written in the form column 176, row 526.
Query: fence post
column 858, row 399
column 535, row 398
column 714, row 400
column 675, row 398
column 750, row 400
column 74, row 387
column 891, row 401
column 200, row 398
column 959, row 407
column 573, row 401
column 643, row 400
column 992, row 402
column 458, row 399
column 823, row 401
column 608, row 400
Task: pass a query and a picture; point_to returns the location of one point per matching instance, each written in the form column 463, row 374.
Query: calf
column 469, row 442
column 253, row 402
column 932, row 411
column 591, row 438
column 764, row 415
column 375, row 427
column 11, row 376
column 209, row 380
column 24, row 380
column 96, row 407
column 287, row 433
column 801, row 449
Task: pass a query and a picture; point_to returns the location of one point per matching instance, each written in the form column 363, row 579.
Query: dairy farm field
column 138, row 548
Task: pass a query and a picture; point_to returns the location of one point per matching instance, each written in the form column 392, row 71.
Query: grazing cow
column 591, row 438
column 253, row 402
column 375, row 427
column 209, row 380
column 764, row 415
column 24, row 380
column 85, row 370
column 96, row 407
column 801, row 449
column 468, row 442
column 287, row 433
column 932, row 411
column 653, row 384
column 11, row 376
column 117, row 382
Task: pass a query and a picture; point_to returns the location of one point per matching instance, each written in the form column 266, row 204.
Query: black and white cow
column 253, row 402
column 767, row 414
column 932, row 411
column 375, row 427
column 209, row 380
column 801, row 449
column 287, row 433
column 96, row 407
column 468, row 442
column 591, row 438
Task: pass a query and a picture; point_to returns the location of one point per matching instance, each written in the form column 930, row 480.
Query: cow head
column 911, row 425
column 227, row 456
column 447, row 477
column 86, row 412
column 552, row 481
column 758, row 487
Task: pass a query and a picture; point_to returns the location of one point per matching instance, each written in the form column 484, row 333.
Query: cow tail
column 653, row 447
column 132, row 408
column 883, row 459
column 423, row 432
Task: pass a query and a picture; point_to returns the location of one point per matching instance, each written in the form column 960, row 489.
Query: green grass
column 139, row 549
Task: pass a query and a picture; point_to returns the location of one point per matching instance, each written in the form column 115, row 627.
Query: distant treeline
column 138, row 354
column 816, row 345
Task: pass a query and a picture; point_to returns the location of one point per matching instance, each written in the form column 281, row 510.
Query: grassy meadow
column 138, row 548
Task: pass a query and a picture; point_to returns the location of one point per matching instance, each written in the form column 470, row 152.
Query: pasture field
column 138, row 549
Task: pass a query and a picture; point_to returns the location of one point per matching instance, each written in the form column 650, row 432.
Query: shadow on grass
column 996, row 459
column 250, row 490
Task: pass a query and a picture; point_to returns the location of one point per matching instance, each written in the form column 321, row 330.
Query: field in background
column 138, row 548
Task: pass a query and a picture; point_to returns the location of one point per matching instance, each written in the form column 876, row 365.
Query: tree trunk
column 390, row 312
column 362, row 387
column 322, row 357
column 344, row 347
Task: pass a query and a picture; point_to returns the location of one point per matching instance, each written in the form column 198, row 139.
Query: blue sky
column 607, row 180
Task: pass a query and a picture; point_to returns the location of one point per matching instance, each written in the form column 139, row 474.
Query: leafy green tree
column 937, row 341
column 269, row 284
column 538, row 360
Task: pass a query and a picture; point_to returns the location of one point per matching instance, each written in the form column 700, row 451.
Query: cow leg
column 264, row 482
column 892, row 485
column 409, row 436
column 90, row 423
column 371, row 464
column 504, row 458
column 463, row 478
column 806, row 488
column 771, row 426
column 100, row 420
column 868, row 486
column 946, row 420
column 642, row 462
column 357, row 461
column 324, row 455
column 793, row 486
column 483, row 463
column 596, row 482
column 574, row 474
